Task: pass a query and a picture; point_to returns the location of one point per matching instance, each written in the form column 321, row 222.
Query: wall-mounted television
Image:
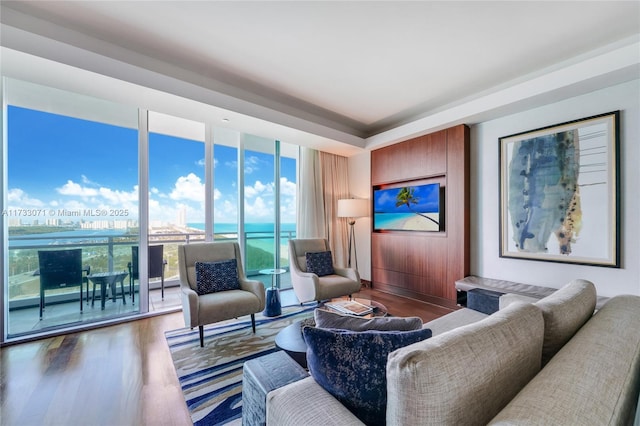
column 407, row 208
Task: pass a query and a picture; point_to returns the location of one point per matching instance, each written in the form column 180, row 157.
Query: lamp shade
column 353, row 207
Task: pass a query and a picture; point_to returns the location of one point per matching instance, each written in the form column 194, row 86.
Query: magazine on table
column 350, row 307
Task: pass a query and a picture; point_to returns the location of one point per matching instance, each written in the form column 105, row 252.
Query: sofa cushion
column 593, row 380
column 212, row 277
column 351, row 366
column 328, row 319
column 283, row 406
column 564, row 312
column 320, row 263
column 466, row 375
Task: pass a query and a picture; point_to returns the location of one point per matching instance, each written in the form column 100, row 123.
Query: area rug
column 211, row 377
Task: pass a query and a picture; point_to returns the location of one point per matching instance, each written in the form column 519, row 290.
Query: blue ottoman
column 483, row 300
column 262, row 375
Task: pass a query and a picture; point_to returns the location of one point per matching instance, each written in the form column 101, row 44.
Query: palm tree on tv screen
column 407, row 197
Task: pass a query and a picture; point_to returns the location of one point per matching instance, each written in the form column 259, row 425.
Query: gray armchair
column 213, row 307
column 308, row 286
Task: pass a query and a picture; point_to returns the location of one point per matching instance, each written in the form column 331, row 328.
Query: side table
column 259, row 377
column 104, row 279
column 272, row 308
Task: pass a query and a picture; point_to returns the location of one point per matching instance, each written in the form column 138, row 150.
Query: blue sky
column 427, row 196
column 57, row 162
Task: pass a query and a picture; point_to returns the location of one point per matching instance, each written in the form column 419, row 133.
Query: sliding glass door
column 269, row 204
column 70, row 214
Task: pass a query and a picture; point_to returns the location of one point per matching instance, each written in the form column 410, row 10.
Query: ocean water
column 231, row 228
column 258, row 235
column 254, row 231
column 65, row 237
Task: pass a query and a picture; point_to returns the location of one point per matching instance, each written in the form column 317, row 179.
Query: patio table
column 111, row 279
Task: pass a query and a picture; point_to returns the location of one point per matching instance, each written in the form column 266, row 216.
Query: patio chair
column 309, row 286
column 202, row 305
column 60, row 269
column 156, row 262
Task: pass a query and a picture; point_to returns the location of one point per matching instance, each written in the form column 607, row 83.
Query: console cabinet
column 425, row 265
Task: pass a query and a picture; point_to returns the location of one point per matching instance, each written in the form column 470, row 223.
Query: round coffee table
column 290, row 339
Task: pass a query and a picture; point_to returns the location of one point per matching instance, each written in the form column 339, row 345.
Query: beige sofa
column 552, row 362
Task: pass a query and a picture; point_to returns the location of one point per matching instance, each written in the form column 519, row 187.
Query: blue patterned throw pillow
column 320, row 263
column 352, row 366
column 216, row 276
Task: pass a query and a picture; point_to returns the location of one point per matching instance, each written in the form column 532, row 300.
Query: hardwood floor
column 115, row 376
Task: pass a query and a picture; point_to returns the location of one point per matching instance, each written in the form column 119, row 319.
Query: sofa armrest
column 255, row 287
column 190, row 308
column 305, row 402
column 350, row 273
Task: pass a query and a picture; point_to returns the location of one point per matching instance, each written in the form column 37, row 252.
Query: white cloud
column 257, row 189
column 258, row 211
column 154, row 206
column 77, row 205
column 17, row 198
column 74, row 189
column 225, row 211
column 87, row 181
column 251, row 164
column 188, row 187
column 118, row 198
column 287, row 187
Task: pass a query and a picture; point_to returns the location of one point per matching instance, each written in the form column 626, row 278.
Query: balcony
column 108, row 253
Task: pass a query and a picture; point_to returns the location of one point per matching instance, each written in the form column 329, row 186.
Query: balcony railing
column 108, row 253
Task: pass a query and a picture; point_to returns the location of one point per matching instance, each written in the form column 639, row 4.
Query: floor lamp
column 352, row 208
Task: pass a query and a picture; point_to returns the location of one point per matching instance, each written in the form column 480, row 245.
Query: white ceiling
column 360, row 68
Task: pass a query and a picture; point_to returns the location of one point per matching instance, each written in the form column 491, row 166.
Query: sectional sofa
column 552, row 362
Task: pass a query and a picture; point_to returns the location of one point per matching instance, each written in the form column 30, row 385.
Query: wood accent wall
column 425, row 265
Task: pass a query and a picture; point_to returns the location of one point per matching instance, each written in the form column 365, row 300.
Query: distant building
column 182, row 217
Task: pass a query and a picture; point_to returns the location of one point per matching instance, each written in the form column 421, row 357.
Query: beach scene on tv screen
column 407, row 208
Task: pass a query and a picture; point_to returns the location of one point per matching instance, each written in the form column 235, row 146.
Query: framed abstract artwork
column 559, row 193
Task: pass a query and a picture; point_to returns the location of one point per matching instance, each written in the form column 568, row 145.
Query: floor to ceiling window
column 288, row 203
column 225, row 182
column 269, row 204
column 176, row 199
column 259, row 203
column 70, row 213
column 72, row 169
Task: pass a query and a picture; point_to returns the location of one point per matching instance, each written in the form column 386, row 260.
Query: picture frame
column 559, row 192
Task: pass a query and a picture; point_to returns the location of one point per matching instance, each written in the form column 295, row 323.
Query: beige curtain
column 335, row 182
column 310, row 215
